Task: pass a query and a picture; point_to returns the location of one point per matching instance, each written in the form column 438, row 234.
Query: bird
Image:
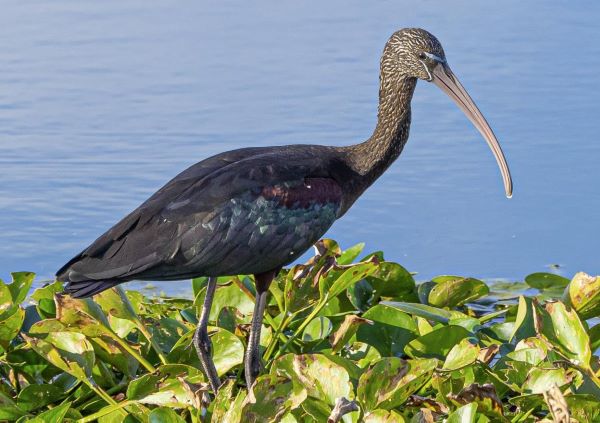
column 254, row 210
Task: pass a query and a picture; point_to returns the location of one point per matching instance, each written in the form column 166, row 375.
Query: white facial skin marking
column 434, row 57
column 427, row 70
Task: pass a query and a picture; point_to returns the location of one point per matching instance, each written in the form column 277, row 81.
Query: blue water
column 103, row 102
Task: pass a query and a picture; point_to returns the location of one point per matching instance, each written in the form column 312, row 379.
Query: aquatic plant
column 345, row 339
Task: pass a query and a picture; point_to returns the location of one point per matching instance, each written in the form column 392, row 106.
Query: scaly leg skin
column 202, row 341
column 252, row 359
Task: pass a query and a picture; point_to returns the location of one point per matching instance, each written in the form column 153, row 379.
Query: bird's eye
column 422, row 56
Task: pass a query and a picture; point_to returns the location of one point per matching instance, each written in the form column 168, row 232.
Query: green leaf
column 234, row 413
column 565, row 331
column 583, row 294
column 453, row 291
column 540, row 380
column 383, row 416
column 317, row 410
column 271, row 398
column 173, row 385
column 391, row 280
column 349, row 255
column 164, row 415
column 461, row 355
column 361, row 295
column 390, row 332
column 6, row 301
column 318, row 328
column 54, row 415
column 350, row 276
column 69, row 351
column 438, row 343
column 167, row 332
column 10, row 325
column 530, row 350
column 8, row 408
column 300, row 289
column 465, row 414
column 308, row 371
column 19, row 288
column 228, row 350
column 425, row 311
column 423, row 291
column 110, row 352
column 346, row 331
column 594, row 334
column 34, row 397
column 485, row 396
column 222, row 401
column 45, row 299
column 82, row 315
column 230, row 295
column 114, row 302
column 546, row 281
column 524, row 326
column 584, row 408
column 390, row 381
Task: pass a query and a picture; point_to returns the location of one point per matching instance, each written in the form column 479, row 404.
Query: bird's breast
column 312, row 191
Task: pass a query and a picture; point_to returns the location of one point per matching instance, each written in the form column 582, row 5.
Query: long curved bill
column 445, row 79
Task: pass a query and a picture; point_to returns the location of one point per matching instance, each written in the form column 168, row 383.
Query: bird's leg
column 252, row 359
column 202, row 341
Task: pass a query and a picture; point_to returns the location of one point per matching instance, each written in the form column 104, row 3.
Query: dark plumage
column 254, row 210
column 221, row 216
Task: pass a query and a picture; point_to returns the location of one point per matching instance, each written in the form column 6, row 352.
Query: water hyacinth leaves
column 565, row 331
column 335, row 333
column 462, row 354
column 465, row 414
column 173, row 385
column 11, row 315
column 390, row 381
column 389, row 332
column 271, row 398
column 20, row 285
column 384, row 416
column 308, row 371
column 454, row 291
column 69, row 351
column 437, row 343
column 543, row 281
column 583, row 294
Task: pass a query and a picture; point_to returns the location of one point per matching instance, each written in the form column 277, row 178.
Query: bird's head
column 412, row 52
column 416, row 54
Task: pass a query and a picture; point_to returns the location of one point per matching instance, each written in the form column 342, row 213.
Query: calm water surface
column 103, row 102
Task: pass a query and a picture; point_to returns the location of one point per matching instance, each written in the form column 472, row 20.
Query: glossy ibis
column 254, row 210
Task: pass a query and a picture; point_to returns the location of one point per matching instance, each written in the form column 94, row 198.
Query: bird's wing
column 195, row 222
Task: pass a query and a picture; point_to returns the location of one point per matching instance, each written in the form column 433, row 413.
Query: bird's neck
column 372, row 157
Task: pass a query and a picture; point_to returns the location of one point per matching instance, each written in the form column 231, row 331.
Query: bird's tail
column 84, row 289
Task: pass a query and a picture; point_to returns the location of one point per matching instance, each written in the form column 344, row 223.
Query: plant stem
column 140, row 325
column 105, row 411
column 154, row 345
column 134, row 354
column 273, row 342
column 83, row 401
column 102, row 394
column 492, row 315
column 593, row 376
column 305, row 323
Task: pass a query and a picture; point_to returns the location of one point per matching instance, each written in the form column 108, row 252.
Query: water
column 101, row 103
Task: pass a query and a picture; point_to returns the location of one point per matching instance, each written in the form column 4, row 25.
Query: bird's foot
column 252, row 370
column 204, row 349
